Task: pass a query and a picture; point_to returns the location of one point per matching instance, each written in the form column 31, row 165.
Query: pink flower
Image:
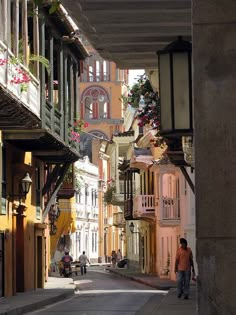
column 86, row 125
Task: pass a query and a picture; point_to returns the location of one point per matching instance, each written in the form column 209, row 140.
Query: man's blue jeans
column 183, row 279
column 83, row 269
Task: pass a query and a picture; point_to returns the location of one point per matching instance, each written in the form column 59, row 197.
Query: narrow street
column 100, row 293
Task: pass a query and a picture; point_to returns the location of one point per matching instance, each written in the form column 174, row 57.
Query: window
column 88, row 108
column 105, row 71
column 98, row 78
column 91, row 74
column 78, row 196
column 96, row 103
column 38, row 193
column 79, row 241
column 3, row 209
column 94, row 242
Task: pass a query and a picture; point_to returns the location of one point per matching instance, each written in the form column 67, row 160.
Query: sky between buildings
column 134, row 76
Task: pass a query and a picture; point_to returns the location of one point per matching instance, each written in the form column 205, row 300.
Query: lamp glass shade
column 165, row 91
column 26, row 183
column 131, row 227
column 181, row 90
column 176, row 89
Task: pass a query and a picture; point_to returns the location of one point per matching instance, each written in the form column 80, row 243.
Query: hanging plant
column 108, row 194
column 149, row 114
column 78, row 127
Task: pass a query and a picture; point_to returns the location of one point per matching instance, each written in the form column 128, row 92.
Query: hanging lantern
column 175, row 82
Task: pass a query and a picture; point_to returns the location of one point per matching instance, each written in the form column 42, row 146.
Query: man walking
column 183, row 264
column 83, row 259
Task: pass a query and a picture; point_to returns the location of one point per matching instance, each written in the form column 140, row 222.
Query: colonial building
column 86, row 237
column 39, row 70
column 101, row 88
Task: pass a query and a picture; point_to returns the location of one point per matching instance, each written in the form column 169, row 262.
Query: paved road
column 102, row 293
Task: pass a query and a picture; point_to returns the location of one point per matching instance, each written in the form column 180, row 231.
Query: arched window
column 88, row 108
column 95, row 103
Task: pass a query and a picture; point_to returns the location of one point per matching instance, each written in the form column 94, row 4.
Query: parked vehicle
column 122, row 263
column 75, row 266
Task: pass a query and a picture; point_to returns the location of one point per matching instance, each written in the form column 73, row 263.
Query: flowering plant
column 149, row 113
column 77, row 128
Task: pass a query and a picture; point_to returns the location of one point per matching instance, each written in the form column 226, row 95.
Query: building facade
column 38, row 108
column 86, row 236
column 101, row 88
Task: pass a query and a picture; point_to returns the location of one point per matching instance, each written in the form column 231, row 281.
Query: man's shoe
column 179, row 296
column 186, row 297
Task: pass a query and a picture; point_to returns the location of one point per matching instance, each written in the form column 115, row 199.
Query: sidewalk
column 170, row 304
column 56, row 289
column 152, row 281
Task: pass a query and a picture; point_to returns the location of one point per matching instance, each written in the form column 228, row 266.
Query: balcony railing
column 170, row 209
column 118, row 219
column 144, row 206
column 11, row 73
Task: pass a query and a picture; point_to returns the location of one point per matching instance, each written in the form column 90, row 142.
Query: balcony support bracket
column 188, row 179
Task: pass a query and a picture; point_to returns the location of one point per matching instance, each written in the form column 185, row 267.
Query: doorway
column 40, row 270
column 1, row 264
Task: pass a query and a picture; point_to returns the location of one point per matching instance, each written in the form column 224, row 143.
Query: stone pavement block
column 171, row 305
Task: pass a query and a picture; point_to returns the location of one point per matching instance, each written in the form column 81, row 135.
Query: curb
column 155, row 286
column 39, row 304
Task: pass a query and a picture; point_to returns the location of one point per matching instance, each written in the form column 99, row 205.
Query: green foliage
column 41, row 59
column 108, row 195
column 54, row 5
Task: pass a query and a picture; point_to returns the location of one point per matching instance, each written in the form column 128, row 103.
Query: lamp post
column 24, row 187
column 26, row 184
column 131, row 228
column 175, row 82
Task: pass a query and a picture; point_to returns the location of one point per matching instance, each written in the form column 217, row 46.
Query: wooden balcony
column 170, row 211
column 128, row 209
column 118, row 219
column 19, row 102
column 144, row 206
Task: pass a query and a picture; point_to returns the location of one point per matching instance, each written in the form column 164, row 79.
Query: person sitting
column 66, row 260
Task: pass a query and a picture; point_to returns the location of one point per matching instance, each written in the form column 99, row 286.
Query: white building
column 85, row 237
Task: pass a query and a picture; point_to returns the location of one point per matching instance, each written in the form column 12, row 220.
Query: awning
column 141, row 159
column 65, row 223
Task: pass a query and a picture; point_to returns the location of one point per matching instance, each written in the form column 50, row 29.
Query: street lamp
column 26, row 184
column 131, row 228
column 24, row 187
column 176, row 126
column 175, row 79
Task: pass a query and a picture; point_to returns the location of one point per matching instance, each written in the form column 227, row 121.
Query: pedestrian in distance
column 113, row 258
column 83, row 259
column 118, row 255
column 183, row 266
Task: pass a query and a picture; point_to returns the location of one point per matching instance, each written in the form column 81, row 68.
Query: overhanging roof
column 129, row 32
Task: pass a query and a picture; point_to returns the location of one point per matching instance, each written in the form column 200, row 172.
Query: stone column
column 214, row 86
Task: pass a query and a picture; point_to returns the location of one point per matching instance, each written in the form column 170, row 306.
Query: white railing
column 170, row 208
column 144, row 206
column 27, row 93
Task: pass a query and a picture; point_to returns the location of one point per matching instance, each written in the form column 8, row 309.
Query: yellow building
column 37, row 113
